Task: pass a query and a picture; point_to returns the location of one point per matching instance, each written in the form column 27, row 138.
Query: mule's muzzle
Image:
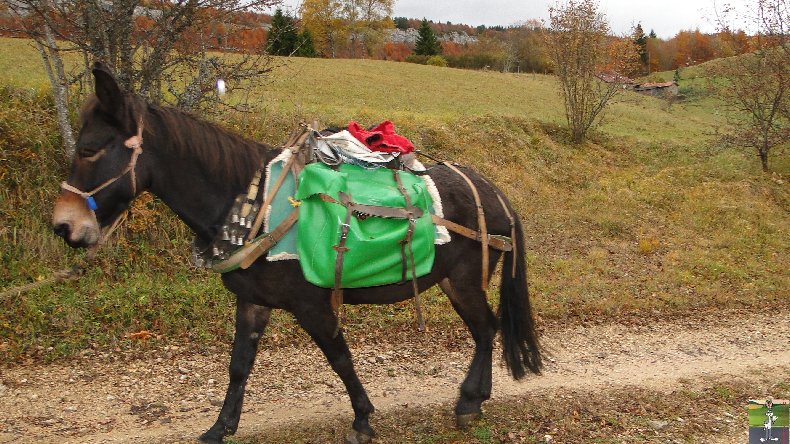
column 74, row 221
column 83, row 240
column 64, row 230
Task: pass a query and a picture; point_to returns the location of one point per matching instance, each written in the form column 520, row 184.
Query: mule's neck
column 186, row 185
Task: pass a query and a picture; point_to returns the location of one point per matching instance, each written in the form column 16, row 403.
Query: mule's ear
column 107, row 90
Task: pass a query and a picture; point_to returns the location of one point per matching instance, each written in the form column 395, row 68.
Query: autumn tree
column 366, row 22
column 655, row 50
column 427, row 44
column 326, row 26
column 353, row 27
column 755, row 87
column 583, row 54
column 530, row 41
column 156, row 49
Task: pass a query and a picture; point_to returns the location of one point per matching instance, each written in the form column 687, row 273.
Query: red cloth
column 382, row 137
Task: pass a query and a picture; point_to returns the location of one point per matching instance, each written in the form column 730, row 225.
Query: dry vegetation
column 642, row 220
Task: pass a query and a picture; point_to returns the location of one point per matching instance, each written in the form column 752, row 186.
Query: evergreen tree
column 306, row 48
column 652, row 34
column 640, row 39
column 282, row 38
column 401, row 23
column 427, row 43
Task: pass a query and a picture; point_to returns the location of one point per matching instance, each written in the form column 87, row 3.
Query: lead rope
column 71, row 272
column 134, row 143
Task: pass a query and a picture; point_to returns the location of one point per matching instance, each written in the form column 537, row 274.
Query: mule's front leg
column 251, row 320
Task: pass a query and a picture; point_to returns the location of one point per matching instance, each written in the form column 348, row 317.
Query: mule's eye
column 92, row 155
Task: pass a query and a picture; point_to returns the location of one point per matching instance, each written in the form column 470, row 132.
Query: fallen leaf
column 141, row 335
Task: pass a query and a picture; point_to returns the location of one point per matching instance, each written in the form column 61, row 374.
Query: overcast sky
column 666, row 17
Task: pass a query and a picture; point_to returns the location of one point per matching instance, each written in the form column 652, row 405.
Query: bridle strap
column 134, row 143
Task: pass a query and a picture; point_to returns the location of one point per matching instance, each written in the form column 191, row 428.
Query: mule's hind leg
column 251, row 320
column 319, row 323
column 469, row 300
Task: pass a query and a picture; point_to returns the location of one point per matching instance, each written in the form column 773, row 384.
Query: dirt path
column 174, row 394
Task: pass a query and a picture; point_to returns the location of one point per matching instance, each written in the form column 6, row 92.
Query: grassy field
column 646, row 219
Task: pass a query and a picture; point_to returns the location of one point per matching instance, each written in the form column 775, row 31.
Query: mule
column 126, row 146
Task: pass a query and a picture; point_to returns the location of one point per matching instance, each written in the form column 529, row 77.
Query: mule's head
column 103, row 179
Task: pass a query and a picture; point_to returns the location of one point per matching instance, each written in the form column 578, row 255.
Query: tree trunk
column 53, row 64
column 764, row 159
column 764, row 147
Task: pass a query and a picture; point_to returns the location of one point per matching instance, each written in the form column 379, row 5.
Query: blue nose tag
column 91, row 203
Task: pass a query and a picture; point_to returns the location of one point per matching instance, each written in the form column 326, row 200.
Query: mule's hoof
column 209, row 439
column 463, row 421
column 355, row 437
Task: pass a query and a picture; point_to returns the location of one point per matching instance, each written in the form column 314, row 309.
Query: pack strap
column 295, row 145
column 407, row 243
column 481, row 222
column 363, row 210
column 501, row 243
column 336, row 300
column 512, row 233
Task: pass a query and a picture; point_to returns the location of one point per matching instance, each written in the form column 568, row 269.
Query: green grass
column 336, row 90
column 645, row 219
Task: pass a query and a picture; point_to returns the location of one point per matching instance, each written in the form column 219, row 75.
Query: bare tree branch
column 159, row 49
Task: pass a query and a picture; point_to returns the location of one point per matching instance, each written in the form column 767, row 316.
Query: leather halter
column 134, row 143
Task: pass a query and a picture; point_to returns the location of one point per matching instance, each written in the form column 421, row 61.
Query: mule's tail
column 521, row 350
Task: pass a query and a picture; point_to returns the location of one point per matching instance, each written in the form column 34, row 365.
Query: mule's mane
column 221, row 153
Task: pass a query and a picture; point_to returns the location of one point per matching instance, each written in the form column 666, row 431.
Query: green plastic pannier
column 374, row 244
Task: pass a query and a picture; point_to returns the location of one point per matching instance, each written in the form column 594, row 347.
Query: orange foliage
column 396, row 51
column 247, row 39
column 693, row 47
column 452, row 48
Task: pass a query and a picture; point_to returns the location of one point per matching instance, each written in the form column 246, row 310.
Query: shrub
column 475, row 61
column 437, row 60
column 418, row 59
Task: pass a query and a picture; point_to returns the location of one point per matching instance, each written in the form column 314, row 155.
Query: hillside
column 645, row 220
column 339, row 89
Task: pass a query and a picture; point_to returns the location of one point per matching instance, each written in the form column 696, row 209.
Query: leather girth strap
column 337, row 292
column 481, row 223
column 501, row 243
column 407, row 244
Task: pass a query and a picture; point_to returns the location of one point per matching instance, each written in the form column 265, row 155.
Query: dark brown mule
column 198, row 169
